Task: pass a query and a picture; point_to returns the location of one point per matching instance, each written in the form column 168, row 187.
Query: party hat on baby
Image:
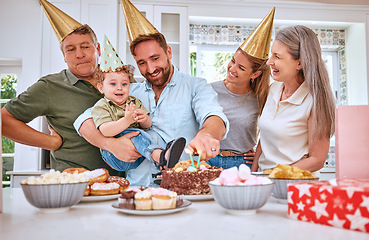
column 258, row 43
column 136, row 23
column 110, row 61
column 62, row 23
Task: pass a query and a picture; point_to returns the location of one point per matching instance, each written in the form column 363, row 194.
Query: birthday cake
column 193, row 182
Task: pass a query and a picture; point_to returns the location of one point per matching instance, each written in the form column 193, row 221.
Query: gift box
column 352, row 141
column 339, row 203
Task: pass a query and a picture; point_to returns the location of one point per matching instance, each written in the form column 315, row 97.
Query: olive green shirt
column 106, row 110
column 61, row 98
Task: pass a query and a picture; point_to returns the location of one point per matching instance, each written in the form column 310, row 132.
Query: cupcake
column 143, row 200
column 163, row 199
column 126, row 199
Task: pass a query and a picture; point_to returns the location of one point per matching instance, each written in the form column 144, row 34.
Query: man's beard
column 164, row 79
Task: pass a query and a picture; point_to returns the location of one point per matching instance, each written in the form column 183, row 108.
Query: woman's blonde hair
column 259, row 85
column 304, row 45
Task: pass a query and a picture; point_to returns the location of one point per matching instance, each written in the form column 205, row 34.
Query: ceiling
column 341, row 2
column 344, row 2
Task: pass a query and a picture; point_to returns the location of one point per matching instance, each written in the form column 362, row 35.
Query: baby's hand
column 130, row 114
column 141, row 116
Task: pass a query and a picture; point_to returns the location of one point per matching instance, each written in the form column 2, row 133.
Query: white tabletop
column 201, row 220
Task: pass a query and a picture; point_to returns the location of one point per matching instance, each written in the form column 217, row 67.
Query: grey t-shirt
column 242, row 112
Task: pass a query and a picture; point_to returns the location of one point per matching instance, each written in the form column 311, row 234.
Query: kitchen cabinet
column 172, row 22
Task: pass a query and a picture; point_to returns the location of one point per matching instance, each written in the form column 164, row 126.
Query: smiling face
column 81, row 55
column 282, row 64
column 239, row 70
column 115, row 87
column 153, row 62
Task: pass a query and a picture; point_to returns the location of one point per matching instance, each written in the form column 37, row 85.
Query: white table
column 201, row 220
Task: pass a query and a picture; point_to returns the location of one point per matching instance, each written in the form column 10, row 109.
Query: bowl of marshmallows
column 238, row 191
column 54, row 191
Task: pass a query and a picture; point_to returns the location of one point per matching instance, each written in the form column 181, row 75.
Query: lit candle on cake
column 190, row 168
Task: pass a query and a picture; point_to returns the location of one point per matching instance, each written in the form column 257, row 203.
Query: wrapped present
column 339, row 203
column 352, row 123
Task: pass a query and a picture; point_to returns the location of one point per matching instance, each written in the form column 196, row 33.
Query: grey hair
column 304, row 45
column 83, row 29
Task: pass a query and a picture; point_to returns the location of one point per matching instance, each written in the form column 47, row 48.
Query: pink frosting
column 159, row 191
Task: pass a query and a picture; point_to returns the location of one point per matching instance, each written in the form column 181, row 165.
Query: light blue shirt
column 184, row 105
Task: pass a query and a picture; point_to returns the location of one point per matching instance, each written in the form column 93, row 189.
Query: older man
column 61, row 97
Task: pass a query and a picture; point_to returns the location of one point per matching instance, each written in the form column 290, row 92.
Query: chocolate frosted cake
column 184, row 182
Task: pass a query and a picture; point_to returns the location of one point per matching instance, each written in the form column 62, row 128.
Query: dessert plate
column 100, row 198
column 185, row 204
column 199, row 197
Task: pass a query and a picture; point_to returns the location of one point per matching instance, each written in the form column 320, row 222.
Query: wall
column 355, row 52
column 21, row 39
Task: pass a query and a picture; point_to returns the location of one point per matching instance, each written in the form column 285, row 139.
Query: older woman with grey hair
column 298, row 118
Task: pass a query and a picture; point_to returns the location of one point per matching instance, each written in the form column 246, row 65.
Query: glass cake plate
column 185, row 204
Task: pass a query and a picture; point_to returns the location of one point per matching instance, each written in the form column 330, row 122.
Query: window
column 330, row 58
column 10, row 72
column 212, row 46
column 8, row 91
column 210, row 62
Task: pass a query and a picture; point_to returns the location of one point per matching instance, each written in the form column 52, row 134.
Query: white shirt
column 284, row 126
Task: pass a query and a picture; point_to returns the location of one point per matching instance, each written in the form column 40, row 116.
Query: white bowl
column 281, row 185
column 249, row 197
column 54, row 197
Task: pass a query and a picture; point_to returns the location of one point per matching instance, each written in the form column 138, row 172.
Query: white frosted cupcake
column 143, row 200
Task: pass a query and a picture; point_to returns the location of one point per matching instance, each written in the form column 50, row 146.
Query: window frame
column 10, row 67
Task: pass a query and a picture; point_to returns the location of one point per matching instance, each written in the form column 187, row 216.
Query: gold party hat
column 136, row 23
column 258, row 43
column 62, row 24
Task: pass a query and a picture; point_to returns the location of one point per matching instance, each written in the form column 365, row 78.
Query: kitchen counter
column 201, row 220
